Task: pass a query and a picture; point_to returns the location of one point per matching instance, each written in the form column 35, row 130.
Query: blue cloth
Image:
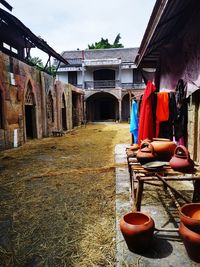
column 134, row 121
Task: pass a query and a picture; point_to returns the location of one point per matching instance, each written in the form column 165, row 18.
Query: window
column 72, row 77
column 137, row 76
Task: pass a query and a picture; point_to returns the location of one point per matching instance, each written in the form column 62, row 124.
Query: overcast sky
column 72, row 24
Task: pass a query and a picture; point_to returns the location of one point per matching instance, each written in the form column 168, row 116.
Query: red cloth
column 146, row 122
column 162, row 110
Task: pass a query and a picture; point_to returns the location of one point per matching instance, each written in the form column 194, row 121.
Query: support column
column 83, row 75
column 120, row 75
column 120, row 110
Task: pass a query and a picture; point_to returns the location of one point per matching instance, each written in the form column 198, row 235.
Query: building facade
column 109, row 79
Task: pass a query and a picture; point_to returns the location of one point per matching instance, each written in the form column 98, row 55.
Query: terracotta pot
column 181, row 160
column 137, row 229
column 164, row 148
column 190, row 215
column 191, row 242
column 145, row 153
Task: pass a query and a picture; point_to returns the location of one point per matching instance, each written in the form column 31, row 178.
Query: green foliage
column 37, row 62
column 51, row 70
column 104, row 43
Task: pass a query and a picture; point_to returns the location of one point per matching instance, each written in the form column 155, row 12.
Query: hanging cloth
column 146, row 122
column 162, row 110
column 134, row 121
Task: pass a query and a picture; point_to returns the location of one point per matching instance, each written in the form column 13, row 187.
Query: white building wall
column 88, row 75
column 127, row 76
column 79, row 77
column 62, row 76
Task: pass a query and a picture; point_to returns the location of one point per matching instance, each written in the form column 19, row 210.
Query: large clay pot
column 164, row 148
column 190, row 216
column 137, row 229
column 191, row 242
column 181, row 160
column 145, row 153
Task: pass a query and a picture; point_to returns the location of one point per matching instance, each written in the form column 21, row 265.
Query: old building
column 108, row 76
column 171, row 45
column 32, row 103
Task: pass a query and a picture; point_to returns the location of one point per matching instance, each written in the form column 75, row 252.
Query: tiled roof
column 126, row 54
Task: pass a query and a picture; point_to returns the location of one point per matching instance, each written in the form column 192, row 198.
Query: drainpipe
column 120, row 74
column 83, row 70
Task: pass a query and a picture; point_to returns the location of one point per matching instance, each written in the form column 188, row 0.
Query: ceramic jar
column 191, row 242
column 164, row 148
column 181, row 160
column 137, row 229
column 190, row 216
column 145, row 153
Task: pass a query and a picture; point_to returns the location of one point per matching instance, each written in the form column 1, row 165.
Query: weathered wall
column 17, row 79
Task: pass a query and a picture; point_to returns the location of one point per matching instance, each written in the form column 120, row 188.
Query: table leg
column 139, row 193
column 196, row 193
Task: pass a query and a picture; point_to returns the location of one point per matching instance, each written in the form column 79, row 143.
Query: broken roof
column 166, row 25
column 16, row 34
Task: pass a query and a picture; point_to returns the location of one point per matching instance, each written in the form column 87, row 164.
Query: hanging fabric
column 146, row 121
column 167, row 127
column 134, row 121
column 162, row 110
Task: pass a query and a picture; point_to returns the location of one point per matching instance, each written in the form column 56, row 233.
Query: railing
column 112, row 84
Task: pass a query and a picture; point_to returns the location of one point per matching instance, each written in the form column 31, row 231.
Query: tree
column 36, row 61
column 104, row 43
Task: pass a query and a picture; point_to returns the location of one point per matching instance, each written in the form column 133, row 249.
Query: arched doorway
column 125, row 108
column 104, row 78
column 102, row 107
column 64, row 113
column 50, row 109
column 30, row 114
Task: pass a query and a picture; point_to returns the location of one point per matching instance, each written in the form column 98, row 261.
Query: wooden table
column 58, row 133
column 140, row 176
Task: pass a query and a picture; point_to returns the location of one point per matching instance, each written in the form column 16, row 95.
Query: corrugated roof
column 126, row 54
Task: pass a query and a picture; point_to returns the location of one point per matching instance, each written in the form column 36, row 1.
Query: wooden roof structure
column 166, row 24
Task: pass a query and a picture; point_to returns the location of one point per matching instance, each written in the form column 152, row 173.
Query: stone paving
column 167, row 249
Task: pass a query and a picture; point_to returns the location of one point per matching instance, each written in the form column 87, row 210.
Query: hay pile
column 58, row 199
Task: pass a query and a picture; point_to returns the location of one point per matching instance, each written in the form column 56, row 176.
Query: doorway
column 30, row 113
column 64, row 113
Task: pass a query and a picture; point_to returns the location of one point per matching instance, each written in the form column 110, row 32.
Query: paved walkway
column 167, row 249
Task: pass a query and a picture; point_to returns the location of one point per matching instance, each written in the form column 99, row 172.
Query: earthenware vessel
column 164, row 148
column 137, row 229
column 190, row 216
column 191, row 241
column 181, row 160
column 145, row 153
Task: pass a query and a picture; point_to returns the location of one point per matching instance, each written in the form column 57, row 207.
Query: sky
column 73, row 24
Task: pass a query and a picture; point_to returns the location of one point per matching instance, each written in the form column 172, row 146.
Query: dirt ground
column 57, row 199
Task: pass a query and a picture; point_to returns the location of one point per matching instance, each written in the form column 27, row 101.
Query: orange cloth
column 162, row 109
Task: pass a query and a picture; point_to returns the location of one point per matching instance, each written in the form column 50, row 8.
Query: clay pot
column 145, row 153
column 181, row 160
column 191, row 242
column 190, row 216
column 137, row 229
column 164, row 148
